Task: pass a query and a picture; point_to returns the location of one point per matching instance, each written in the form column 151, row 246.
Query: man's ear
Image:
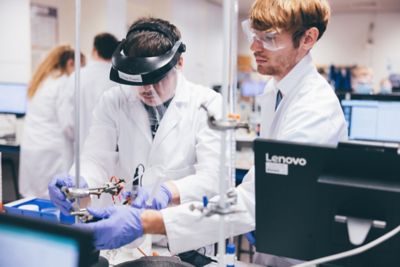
column 179, row 65
column 309, row 38
column 95, row 54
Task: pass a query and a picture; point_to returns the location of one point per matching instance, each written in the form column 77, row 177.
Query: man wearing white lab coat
column 94, row 80
column 150, row 123
column 184, row 148
column 298, row 105
column 309, row 113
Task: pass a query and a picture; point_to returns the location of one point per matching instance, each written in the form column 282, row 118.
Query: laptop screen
column 28, row 242
column 13, row 98
column 375, row 120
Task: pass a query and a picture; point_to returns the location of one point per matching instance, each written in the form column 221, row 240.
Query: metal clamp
column 83, row 215
column 112, row 188
column 213, row 207
column 223, row 125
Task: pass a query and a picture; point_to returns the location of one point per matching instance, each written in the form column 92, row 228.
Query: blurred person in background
column 362, row 80
column 45, row 148
column 94, row 80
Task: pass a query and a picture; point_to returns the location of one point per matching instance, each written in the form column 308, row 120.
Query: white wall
column 345, row 42
column 96, row 16
column 116, row 17
column 155, row 8
column 200, row 23
column 15, row 45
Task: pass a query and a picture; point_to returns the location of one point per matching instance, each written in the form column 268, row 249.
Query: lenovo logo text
column 286, row 160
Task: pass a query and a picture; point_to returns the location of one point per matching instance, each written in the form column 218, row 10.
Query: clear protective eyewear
column 268, row 39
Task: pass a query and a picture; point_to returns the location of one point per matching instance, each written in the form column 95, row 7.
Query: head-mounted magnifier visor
column 143, row 70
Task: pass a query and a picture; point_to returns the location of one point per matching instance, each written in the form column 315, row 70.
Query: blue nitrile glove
column 119, row 226
column 57, row 196
column 161, row 199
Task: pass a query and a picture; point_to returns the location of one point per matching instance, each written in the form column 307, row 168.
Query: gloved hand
column 119, row 226
column 161, row 199
column 57, row 196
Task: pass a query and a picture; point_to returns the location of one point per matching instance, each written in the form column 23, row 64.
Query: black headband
column 144, row 70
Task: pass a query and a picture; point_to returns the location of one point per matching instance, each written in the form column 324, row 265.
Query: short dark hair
column 105, row 45
column 148, row 42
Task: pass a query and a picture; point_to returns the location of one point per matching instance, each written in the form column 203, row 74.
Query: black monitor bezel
column 324, row 164
column 375, row 97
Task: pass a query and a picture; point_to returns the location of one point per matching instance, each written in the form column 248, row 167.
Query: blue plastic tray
column 12, row 208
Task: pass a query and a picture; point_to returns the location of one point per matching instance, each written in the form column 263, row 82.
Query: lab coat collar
column 98, row 63
column 181, row 93
column 171, row 117
column 291, row 80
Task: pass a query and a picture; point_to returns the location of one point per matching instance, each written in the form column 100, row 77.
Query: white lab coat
column 309, row 112
column 184, row 148
column 94, row 81
column 45, row 149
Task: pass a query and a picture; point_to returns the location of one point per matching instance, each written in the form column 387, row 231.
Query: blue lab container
column 13, row 208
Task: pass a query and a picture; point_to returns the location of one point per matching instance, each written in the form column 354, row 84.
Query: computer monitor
column 252, row 87
column 395, row 81
column 13, row 98
column 36, row 243
column 373, row 117
column 303, row 192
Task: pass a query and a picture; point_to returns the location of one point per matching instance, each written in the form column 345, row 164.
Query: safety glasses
column 267, row 39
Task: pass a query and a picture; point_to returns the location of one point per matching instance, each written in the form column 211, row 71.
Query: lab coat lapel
column 168, row 123
column 173, row 114
column 288, row 87
column 279, row 114
column 267, row 110
column 137, row 113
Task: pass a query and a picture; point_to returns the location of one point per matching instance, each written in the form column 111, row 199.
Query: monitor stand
column 358, row 228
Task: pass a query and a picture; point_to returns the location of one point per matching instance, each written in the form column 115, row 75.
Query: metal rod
column 234, row 11
column 77, row 95
column 224, row 169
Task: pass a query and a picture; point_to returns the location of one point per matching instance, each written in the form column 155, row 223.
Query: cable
column 141, row 174
column 351, row 252
column 141, row 251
